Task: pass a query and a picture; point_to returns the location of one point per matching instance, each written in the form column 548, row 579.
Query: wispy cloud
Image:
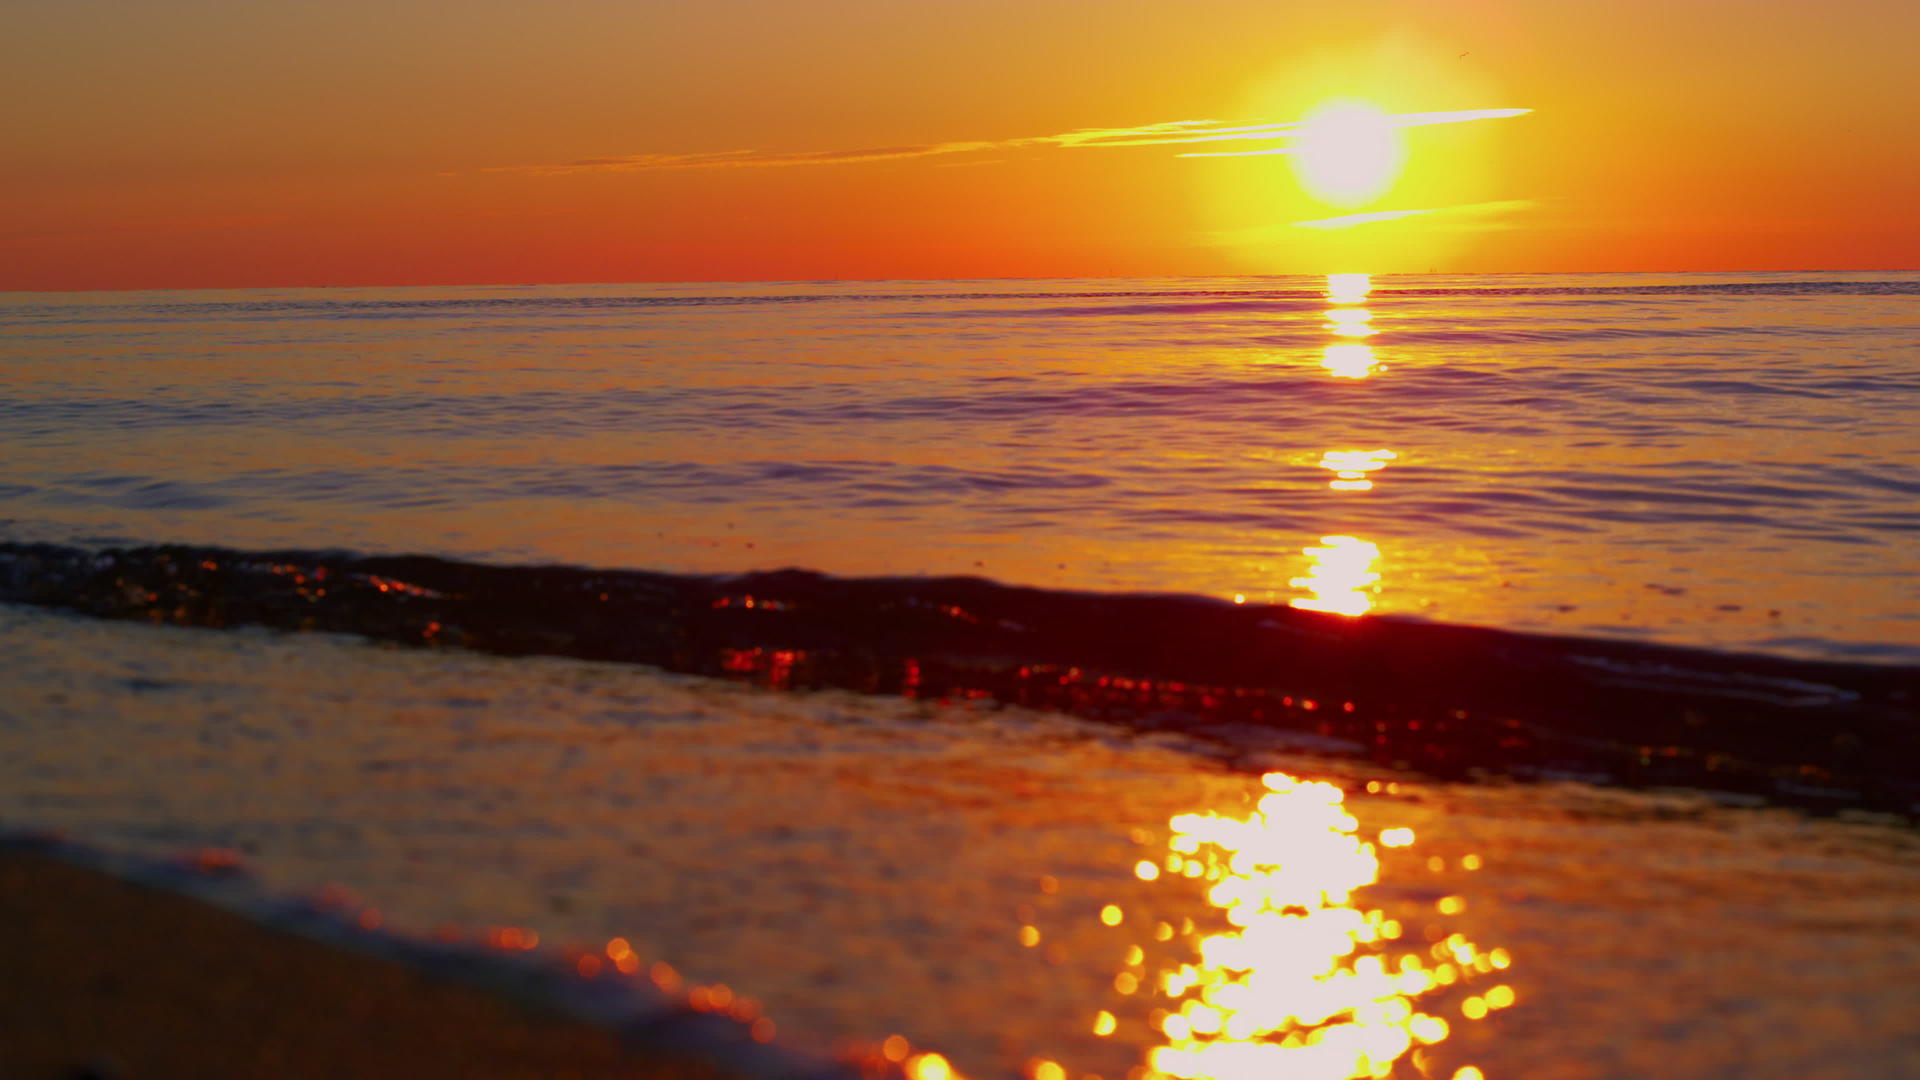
column 1145, row 135
column 1420, row 119
column 1455, row 116
column 1480, row 215
column 1465, row 217
column 1169, row 133
column 1348, row 221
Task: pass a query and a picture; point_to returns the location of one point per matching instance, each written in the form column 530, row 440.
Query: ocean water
column 1001, row 886
column 1720, row 461
column 1213, row 679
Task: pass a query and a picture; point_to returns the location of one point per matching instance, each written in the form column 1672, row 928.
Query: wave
column 1092, row 302
column 1451, row 701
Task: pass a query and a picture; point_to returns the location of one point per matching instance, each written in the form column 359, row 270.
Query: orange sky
column 206, row 143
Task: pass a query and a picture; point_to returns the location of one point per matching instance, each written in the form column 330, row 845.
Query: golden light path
column 1341, row 577
column 1349, row 361
column 1350, row 467
column 1349, row 288
column 1347, row 318
column 1303, row 981
column 1307, row 985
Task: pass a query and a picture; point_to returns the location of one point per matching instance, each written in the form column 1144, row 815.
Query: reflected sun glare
column 1349, row 288
column 1305, row 981
column 1350, row 467
column 1350, row 322
column 1347, row 319
column 1349, row 361
column 1340, row 578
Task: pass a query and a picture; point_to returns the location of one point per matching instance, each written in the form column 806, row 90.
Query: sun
column 1348, row 153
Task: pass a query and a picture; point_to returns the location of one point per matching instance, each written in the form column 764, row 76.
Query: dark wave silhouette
column 1451, row 701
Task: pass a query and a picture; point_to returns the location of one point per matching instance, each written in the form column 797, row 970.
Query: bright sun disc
column 1348, row 154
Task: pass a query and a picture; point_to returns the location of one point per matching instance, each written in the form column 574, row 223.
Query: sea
column 1211, row 678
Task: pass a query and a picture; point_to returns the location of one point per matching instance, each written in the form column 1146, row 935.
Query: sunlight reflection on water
column 1341, row 575
column 1303, row 980
column 1350, row 467
column 1570, row 445
column 1350, row 361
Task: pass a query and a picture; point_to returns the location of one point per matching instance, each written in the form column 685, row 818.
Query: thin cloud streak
column 1268, row 152
column 1482, row 210
column 1169, row 133
column 1466, row 217
column 1144, row 135
column 1458, row 116
column 1347, row 221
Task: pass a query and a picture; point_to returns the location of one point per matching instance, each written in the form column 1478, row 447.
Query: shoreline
column 978, row 882
column 1450, row 701
column 120, row 967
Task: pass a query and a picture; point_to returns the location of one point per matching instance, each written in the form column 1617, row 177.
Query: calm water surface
column 1726, row 460
column 1718, row 460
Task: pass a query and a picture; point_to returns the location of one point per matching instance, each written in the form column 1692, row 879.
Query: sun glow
column 1349, row 153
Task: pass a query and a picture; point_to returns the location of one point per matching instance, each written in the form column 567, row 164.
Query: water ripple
column 1553, row 446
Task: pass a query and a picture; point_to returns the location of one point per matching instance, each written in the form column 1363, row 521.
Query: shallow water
column 1713, row 460
column 867, row 868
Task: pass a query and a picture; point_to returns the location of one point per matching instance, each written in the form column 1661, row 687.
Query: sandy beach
column 108, row 979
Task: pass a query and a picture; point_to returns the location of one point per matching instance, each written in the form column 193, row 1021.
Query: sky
column 241, row 143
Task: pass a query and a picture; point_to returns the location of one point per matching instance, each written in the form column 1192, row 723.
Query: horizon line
column 1010, row 277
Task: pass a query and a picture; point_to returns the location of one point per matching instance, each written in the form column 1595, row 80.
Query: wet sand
column 105, row 978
